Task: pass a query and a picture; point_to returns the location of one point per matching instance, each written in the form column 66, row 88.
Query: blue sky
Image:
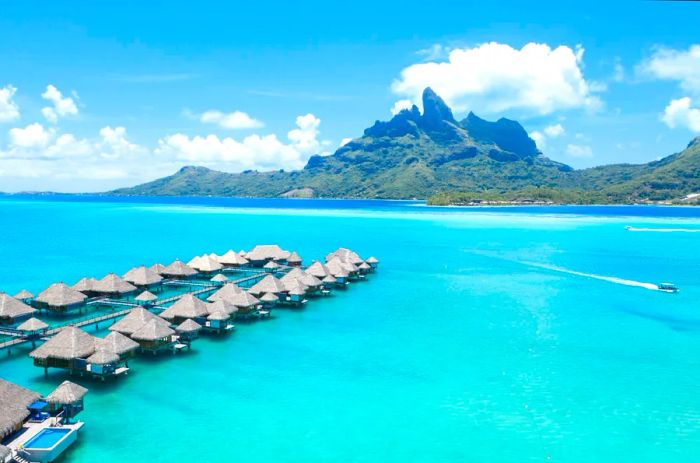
column 132, row 92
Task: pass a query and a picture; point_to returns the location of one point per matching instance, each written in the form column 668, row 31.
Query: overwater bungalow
column 246, row 303
column 207, row 264
column 312, row 283
column 155, row 336
column 194, row 261
column 218, row 322
column 364, row 268
column 188, row 306
column 59, row 297
column 143, row 277
column 134, row 320
column 33, row 329
column 226, row 292
column 104, row 363
column 328, row 283
column 219, row 279
column 24, row 296
column 264, row 253
column 294, row 259
column 232, row 259
column 146, row 298
column 13, row 310
column 121, row 345
column 114, row 285
column 178, row 269
column 269, row 300
column 158, row 268
column 269, row 284
column 318, row 269
column 271, row 266
column 345, row 255
column 68, row 350
column 188, row 331
column 342, row 271
column 86, row 285
column 296, row 295
column 224, row 306
column 373, row 262
column 27, row 432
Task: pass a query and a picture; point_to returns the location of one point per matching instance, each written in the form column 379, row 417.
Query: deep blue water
column 506, row 334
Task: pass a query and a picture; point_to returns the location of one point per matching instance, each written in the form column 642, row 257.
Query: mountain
column 418, row 155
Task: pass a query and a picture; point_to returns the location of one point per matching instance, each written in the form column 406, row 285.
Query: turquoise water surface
column 487, row 335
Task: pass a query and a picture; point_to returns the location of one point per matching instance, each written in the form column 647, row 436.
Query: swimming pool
column 47, row 438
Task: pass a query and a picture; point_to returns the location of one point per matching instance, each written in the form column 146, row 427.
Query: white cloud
column 31, row 136
column 680, row 113
column 9, row 111
column 579, row 151
column 682, row 66
column 495, row 77
column 551, row 131
column 539, row 137
column 62, row 106
column 401, row 105
column 554, row 131
column 618, row 72
column 345, row 141
column 233, row 120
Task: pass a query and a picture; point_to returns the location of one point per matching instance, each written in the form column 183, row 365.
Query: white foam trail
column 619, row 281
column 664, row 230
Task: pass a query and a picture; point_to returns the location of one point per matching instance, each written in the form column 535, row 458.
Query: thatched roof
column 33, row 324
column 329, row 279
column 318, row 270
column 178, row 269
column 305, row 277
column 267, row 252
column 297, row 291
column 70, row 343
column 67, row 393
column 60, row 295
column 345, row 255
column 194, row 261
column 24, row 294
column 117, row 343
column 269, row 284
column 13, row 308
column 188, row 306
column 337, row 269
column 114, row 284
column 14, row 400
column 146, row 296
column 227, row 291
column 188, row 326
column 269, row 297
column 218, row 316
column 242, row 252
column 348, row 266
column 4, row 452
column 232, row 258
column 294, row 258
column 291, row 283
column 142, row 276
column 372, row 260
column 158, row 268
column 219, row 278
column 243, row 300
column 85, row 284
column 364, row 266
column 271, row 265
column 133, row 321
column 222, row 306
column 153, row 330
column 207, row 264
column 103, row 357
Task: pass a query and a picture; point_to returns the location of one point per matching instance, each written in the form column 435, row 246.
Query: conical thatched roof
column 133, row 321
column 272, row 265
column 194, row 261
column 146, row 296
column 294, row 258
column 318, row 270
column 372, row 260
column 178, row 269
column 85, row 284
column 219, row 278
column 151, row 331
column 226, row 292
column 14, row 400
column 269, row 297
column 232, row 258
column 13, row 308
column 142, row 276
column 337, row 269
column 345, row 255
column 269, row 284
column 188, row 306
column 4, row 451
column 70, row 343
column 114, row 284
column 103, row 357
column 33, row 324
column 243, row 300
column 117, row 343
column 67, row 393
column 60, row 295
column 298, row 291
column 207, row 264
column 291, row 284
column 267, row 252
column 158, row 268
column 329, row 279
column 347, row 266
column 364, row 266
column 188, row 326
column 305, row 277
column 242, row 252
column 23, row 295
column 222, row 306
column 218, row 316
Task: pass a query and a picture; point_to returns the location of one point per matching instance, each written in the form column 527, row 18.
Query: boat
column 668, row 287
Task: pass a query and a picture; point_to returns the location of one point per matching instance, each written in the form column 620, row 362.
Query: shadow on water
column 675, row 323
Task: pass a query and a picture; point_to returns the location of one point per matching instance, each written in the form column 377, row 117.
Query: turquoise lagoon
column 488, row 335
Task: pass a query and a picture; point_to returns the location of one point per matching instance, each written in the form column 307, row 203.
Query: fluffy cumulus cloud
column 9, row 111
column 682, row 66
column 579, row 151
column 681, row 113
column 551, row 131
column 495, row 77
column 233, row 120
column 401, row 105
column 31, row 136
column 61, row 105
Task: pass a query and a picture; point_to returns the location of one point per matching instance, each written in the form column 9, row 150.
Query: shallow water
column 485, row 336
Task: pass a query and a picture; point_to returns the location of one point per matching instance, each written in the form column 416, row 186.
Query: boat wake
column 664, row 230
column 616, row 280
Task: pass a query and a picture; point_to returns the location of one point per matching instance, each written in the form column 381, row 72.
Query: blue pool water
column 488, row 334
column 47, row 438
